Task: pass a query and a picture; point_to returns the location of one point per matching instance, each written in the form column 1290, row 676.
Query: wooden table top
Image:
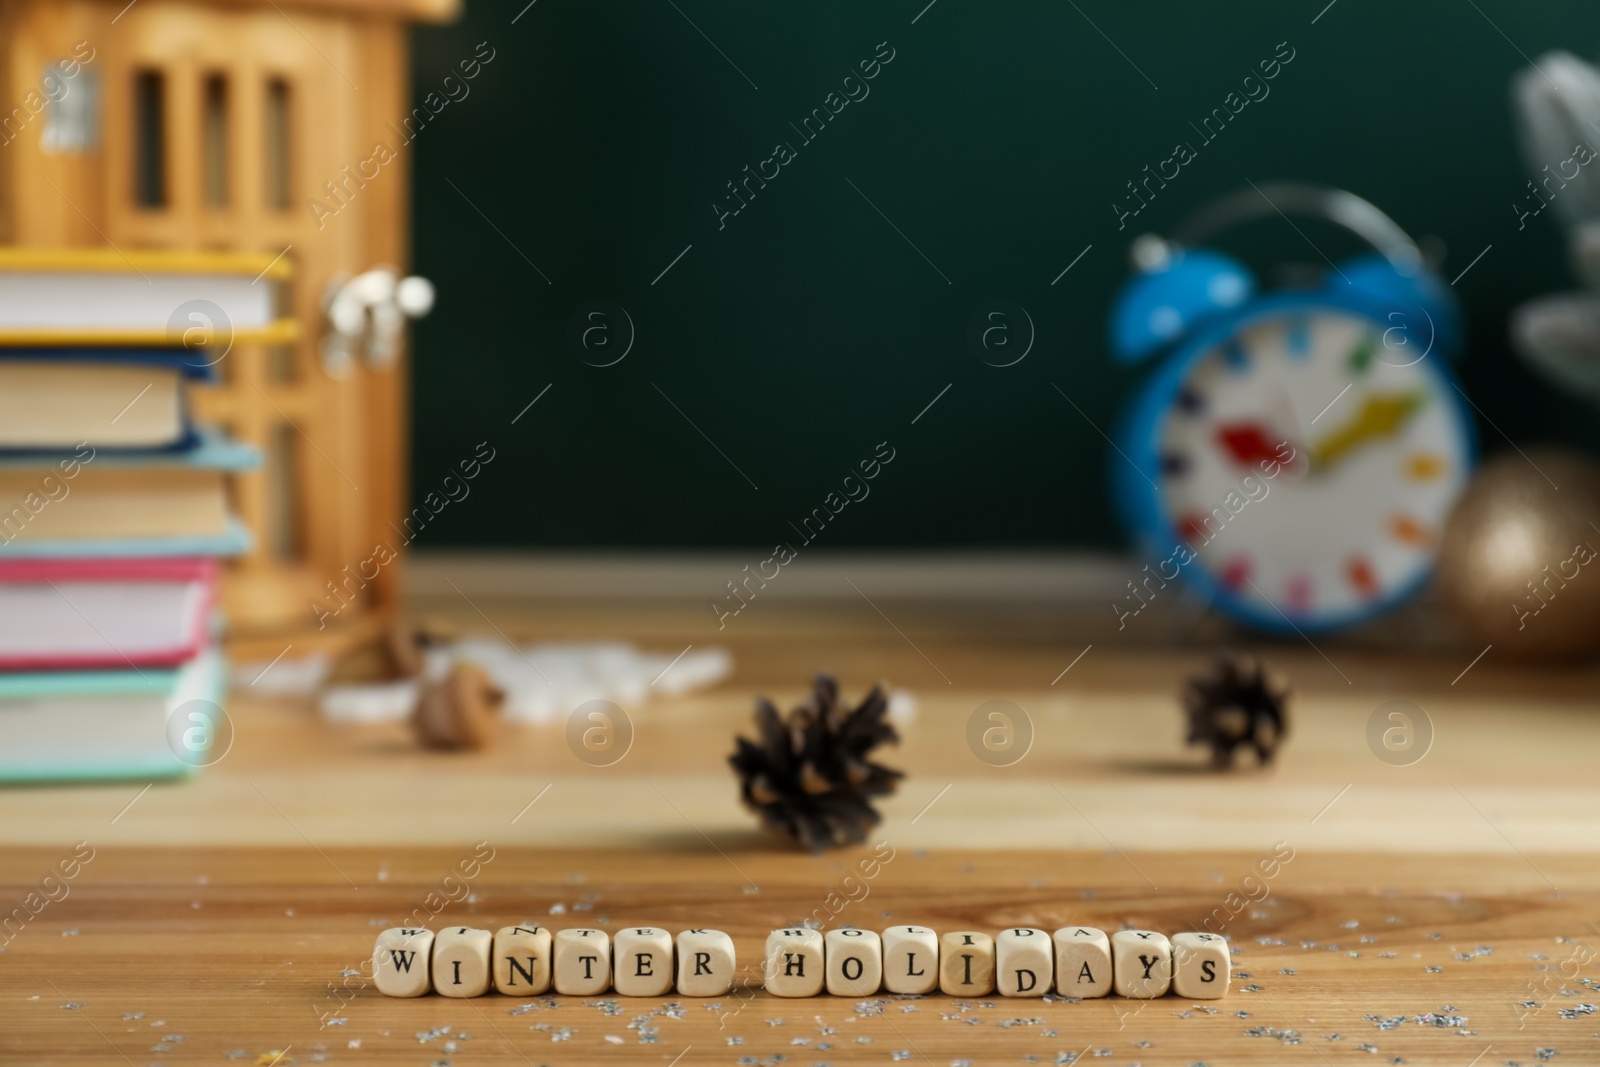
column 1443, row 912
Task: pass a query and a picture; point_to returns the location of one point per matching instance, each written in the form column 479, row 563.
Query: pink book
column 76, row 614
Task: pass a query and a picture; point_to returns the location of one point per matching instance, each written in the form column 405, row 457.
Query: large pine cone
column 808, row 776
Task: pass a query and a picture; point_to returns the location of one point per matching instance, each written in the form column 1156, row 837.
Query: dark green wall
column 808, row 330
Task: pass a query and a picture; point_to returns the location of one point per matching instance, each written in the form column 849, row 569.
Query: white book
column 103, row 296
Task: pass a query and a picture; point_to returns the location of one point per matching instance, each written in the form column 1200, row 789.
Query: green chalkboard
column 589, row 166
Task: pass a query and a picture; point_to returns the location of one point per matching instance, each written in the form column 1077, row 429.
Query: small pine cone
column 1236, row 705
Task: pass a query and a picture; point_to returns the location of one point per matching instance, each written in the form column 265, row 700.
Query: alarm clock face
column 1309, row 462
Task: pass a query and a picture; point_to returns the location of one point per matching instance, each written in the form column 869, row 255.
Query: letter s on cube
column 1200, row 966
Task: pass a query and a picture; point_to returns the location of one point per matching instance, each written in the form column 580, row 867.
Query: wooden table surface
column 1444, row 912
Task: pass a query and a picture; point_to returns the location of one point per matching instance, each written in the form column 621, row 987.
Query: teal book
column 133, row 724
column 232, row 540
column 210, row 450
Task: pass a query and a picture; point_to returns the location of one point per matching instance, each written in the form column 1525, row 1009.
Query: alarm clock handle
column 1346, row 209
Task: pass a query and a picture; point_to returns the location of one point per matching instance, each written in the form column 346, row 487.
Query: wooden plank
column 223, row 907
column 184, row 956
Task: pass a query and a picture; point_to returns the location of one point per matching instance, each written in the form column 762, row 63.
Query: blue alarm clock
column 1297, row 451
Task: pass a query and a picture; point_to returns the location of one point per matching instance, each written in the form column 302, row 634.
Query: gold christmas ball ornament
column 1520, row 560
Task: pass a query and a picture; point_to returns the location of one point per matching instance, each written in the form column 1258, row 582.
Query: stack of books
column 114, row 509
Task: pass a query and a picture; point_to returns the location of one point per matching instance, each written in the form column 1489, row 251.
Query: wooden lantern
column 187, row 125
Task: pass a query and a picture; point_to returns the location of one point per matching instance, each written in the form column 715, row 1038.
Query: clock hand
column 1382, row 415
column 1301, row 460
column 1286, row 407
column 1250, row 442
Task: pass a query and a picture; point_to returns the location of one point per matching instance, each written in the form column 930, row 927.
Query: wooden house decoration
column 182, row 126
